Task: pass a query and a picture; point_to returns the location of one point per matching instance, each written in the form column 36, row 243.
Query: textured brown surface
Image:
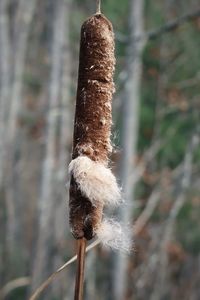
column 93, row 117
column 84, row 217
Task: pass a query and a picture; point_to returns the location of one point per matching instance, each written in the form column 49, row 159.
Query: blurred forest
column 156, row 114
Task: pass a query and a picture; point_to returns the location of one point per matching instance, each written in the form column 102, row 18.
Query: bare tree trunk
column 49, row 200
column 23, row 20
column 4, row 97
column 4, row 78
column 130, row 132
column 17, row 58
column 60, row 209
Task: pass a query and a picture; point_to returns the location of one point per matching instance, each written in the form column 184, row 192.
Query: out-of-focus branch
column 12, row 285
column 148, row 211
column 179, row 202
column 167, row 27
column 147, row 157
column 152, row 202
column 150, row 35
column 172, row 25
column 188, row 82
column 185, row 183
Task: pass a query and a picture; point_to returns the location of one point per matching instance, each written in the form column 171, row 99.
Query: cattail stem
column 81, row 246
column 98, row 7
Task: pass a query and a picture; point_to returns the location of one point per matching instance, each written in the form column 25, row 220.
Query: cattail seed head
column 93, row 117
column 93, row 185
column 92, row 129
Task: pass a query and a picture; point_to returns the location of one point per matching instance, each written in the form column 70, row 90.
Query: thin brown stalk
column 81, row 247
column 47, row 282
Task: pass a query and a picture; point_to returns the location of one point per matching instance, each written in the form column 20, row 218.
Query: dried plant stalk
column 93, row 119
column 92, row 130
column 80, row 270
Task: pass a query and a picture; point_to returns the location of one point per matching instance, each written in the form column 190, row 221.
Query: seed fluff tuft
column 95, row 181
column 112, row 234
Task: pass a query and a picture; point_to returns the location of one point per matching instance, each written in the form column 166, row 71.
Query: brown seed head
column 95, row 89
column 93, row 117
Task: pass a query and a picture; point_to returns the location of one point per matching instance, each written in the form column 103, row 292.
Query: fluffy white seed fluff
column 112, row 234
column 95, row 181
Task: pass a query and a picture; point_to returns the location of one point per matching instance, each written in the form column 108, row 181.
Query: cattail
column 92, row 183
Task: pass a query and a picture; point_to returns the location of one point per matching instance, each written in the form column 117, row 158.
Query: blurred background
column 156, row 116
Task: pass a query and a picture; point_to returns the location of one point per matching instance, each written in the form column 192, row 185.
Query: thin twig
column 46, row 283
column 98, row 7
column 81, row 245
column 147, row 212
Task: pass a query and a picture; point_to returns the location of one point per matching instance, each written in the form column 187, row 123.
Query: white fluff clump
column 113, row 235
column 95, row 181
